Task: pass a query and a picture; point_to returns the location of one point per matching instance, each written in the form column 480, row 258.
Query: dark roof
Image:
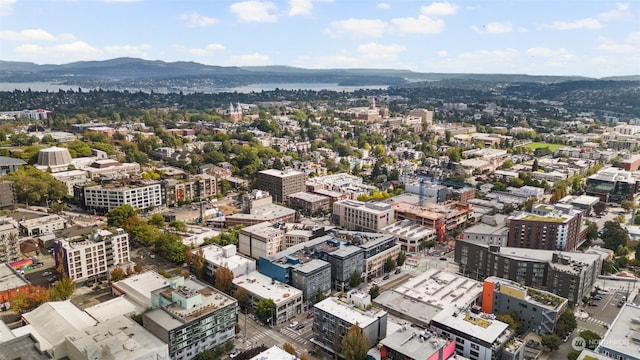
column 7, row 161
column 23, row 348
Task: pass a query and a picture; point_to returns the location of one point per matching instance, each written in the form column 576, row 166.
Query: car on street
column 233, row 354
column 300, row 326
column 51, row 279
column 309, row 315
column 564, row 339
column 398, row 271
column 591, row 303
column 46, row 273
column 385, row 277
column 443, row 259
column 293, row 324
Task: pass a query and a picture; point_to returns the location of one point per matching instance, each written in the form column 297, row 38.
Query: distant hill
column 160, row 73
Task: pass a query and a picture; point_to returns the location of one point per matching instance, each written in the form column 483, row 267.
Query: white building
column 288, row 299
column 410, row 236
column 138, row 288
column 226, row 256
column 42, row 225
column 105, row 198
column 260, row 240
column 361, row 216
column 94, row 257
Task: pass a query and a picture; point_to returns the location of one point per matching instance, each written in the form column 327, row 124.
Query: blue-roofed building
column 9, row 164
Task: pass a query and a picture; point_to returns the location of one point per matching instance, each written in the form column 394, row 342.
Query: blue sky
column 555, row 37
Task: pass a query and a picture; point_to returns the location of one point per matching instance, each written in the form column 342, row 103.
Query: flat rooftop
column 264, row 213
column 424, row 296
column 480, row 326
column 345, row 312
column 211, row 300
column 139, row 287
column 414, row 343
column 623, row 335
column 264, row 287
column 281, row 173
column 9, row 279
column 406, row 229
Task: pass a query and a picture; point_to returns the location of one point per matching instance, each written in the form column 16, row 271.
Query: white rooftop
column 265, row 288
column 274, row 353
column 348, row 314
column 623, row 335
column 9, row 279
column 226, row 256
column 481, row 326
column 138, row 287
column 115, row 307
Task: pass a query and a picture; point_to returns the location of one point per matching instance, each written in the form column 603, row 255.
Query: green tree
column 157, row 220
column 374, row 291
column 573, row 354
column 119, row 216
column 511, row 320
column 243, row 299
column 355, row 279
column 355, row 344
column 402, row 257
column 319, row 296
column 178, row 225
column 223, row 279
column 389, row 264
column 614, row 235
column 535, row 165
column 566, row 323
column 266, row 310
column 35, row 186
column 592, row 231
column 551, row 341
column 591, row 339
column 199, row 263
column 78, row 148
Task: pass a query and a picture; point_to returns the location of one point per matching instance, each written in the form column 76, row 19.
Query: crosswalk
column 294, row 335
column 596, row 321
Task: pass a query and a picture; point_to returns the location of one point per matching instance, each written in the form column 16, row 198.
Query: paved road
column 257, row 334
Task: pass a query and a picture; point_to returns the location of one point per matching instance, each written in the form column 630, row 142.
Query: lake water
column 44, row 86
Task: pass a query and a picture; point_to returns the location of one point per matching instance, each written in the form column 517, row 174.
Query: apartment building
column 200, row 187
column 538, row 311
column 571, row 275
column 377, row 248
column 9, row 244
column 92, row 258
column 103, row 198
column 309, row 203
column 443, row 218
column 339, row 186
column 262, row 239
column 190, row 317
column 216, row 256
column 553, row 231
column 363, row 216
column 410, row 236
column 333, row 317
column 281, row 183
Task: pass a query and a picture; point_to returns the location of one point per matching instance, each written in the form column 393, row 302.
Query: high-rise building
column 104, row 198
column 281, row 183
column 554, row 231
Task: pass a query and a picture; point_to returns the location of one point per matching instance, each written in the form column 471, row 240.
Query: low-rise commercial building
column 612, row 185
column 410, row 236
column 491, row 230
column 216, row 256
column 271, row 213
column 333, row 317
column 190, row 317
column 42, row 225
column 262, row 239
column 309, row 203
column 363, row 216
column 410, row 344
column 138, row 288
column 288, row 300
column 10, row 285
column 622, row 338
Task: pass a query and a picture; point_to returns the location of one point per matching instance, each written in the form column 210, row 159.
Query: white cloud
column 357, row 28
column 250, row 59
column 383, row 5
column 6, row 7
column 373, row 48
column 544, row 52
column 442, row 53
column 588, row 23
column 77, row 50
column 522, row 30
column 631, row 44
column 193, row 20
column 207, row 50
column 139, row 51
column 494, row 28
column 439, row 9
column 633, row 38
column 34, row 35
column 254, row 11
column 620, row 12
column 420, row 25
column 300, row 7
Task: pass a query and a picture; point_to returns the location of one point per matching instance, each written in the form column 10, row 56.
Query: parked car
column 443, row 259
column 233, row 354
column 46, row 273
column 309, row 314
column 564, row 339
column 385, row 277
column 300, row 326
column 591, row 303
column 398, row 271
column 293, row 324
column 51, row 279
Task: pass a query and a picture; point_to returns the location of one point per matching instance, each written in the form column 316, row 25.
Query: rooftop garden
column 544, row 218
column 544, row 298
column 476, row 320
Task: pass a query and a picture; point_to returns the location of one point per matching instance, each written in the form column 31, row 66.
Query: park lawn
column 539, row 145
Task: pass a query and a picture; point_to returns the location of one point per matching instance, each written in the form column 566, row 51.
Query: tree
column 119, row 216
column 614, row 235
column 35, row 186
column 592, row 231
column 117, row 274
column 535, row 165
column 178, row 225
column 78, row 148
column 62, row 289
column 157, row 220
column 427, row 244
column 355, row 279
column 591, row 339
column 374, row 291
column 355, row 344
column 551, row 341
column 243, row 299
column 389, row 264
column 628, row 204
column 266, row 310
column 319, row 296
column 26, row 301
column 199, row 263
column 566, row 323
column 599, row 207
column 289, row 348
column 511, row 320
column 304, row 356
column 224, row 279
column 574, row 354
column 402, row 257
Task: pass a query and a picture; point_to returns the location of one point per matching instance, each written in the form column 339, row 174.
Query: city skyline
column 594, row 38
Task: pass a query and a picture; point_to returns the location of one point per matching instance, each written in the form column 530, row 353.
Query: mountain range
column 138, row 70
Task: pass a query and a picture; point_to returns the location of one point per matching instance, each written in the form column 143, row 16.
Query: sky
column 594, row 38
